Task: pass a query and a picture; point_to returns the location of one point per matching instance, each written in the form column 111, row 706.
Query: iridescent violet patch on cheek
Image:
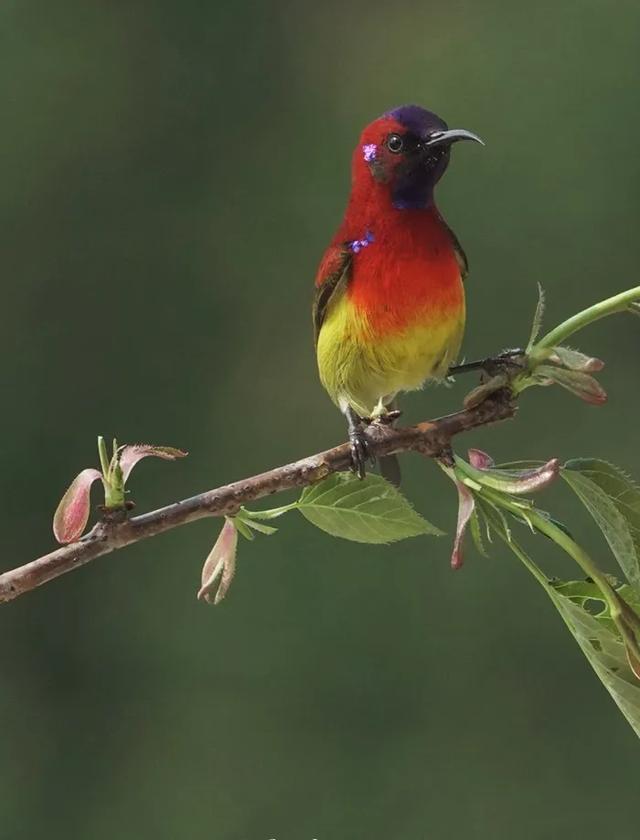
column 369, row 151
column 358, row 244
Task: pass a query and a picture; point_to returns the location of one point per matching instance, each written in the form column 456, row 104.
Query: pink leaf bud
column 466, row 506
column 221, row 563
column 578, row 383
column 575, row 360
column 131, row 454
column 72, row 514
column 479, row 459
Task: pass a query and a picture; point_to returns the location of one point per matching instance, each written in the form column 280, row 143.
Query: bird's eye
column 395, row 143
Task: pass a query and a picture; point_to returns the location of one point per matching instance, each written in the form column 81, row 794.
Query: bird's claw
column 383, row 418
column 359, row 452
column 388, row 417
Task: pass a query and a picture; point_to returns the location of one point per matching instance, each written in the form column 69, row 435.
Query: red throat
column 409, row 272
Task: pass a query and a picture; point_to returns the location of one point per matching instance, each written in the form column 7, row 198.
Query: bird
column 389, row 303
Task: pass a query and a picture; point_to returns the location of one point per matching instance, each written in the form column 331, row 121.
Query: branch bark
column 431, row 438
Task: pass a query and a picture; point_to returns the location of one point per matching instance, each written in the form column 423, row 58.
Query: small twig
column 430, row 438
column 503, row 361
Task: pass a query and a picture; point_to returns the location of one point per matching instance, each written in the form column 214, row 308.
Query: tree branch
column 116, row 530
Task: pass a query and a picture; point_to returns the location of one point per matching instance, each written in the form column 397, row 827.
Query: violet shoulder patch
column 369, row 151
column 358, row 244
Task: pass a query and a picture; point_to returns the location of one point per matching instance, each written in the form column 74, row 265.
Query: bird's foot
column 358, row 442
column 359, row 452
column 385, row 418
column 388, row 417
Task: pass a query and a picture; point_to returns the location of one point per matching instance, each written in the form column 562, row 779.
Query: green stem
column 112, row 474
column 617, row 303
column 535, row 570
column 273, row 513
column 628, row 638
column 577, row 553
column 104, row 458
column 620, row 614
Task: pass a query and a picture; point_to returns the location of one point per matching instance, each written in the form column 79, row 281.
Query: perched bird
column 389, row 308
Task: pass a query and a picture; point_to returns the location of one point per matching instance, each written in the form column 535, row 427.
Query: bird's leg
column 385, row 414
column 492, row 365
column 358, row 442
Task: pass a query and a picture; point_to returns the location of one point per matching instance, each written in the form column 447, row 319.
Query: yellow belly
column 360, row 369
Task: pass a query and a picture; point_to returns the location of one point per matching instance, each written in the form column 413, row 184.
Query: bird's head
column 407, row 150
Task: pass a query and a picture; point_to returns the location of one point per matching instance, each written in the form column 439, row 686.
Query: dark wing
column 461, row 257
column 331, row 282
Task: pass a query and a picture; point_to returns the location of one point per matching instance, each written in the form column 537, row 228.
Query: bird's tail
column 390, row 469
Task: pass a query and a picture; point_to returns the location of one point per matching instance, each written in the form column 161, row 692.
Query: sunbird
column 389, row 307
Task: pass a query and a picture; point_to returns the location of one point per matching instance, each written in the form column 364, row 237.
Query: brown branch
column 431, row 438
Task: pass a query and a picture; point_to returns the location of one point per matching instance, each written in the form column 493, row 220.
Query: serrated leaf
column 260, row 527
column 243, row 529
column 606, row 654
column 370, row 510
column 580, row 591
column 476, row 534
column 129, row 455
column 613, row 500
column 588, row 595
column 247, row 522
column 631, row 596
column 597, row 637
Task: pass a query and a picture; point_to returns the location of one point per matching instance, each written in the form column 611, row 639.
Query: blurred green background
column 170, row 174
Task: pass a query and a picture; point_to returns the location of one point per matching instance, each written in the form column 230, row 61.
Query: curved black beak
column 441, row 138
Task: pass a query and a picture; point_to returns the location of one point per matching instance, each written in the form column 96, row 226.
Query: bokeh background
column 169, row 176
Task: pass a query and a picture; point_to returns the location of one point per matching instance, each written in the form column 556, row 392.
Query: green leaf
column 606, row 654
column 260, row 526
column 494, row 518
column 370, row 510
column 613, row 500
column 272, row 513
column 246, row 523
column 580, row 591
column 596, row 635
column 631, row 596
column 588, row 595
column 537, row 318
column 243, row 528
column 476, row 533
